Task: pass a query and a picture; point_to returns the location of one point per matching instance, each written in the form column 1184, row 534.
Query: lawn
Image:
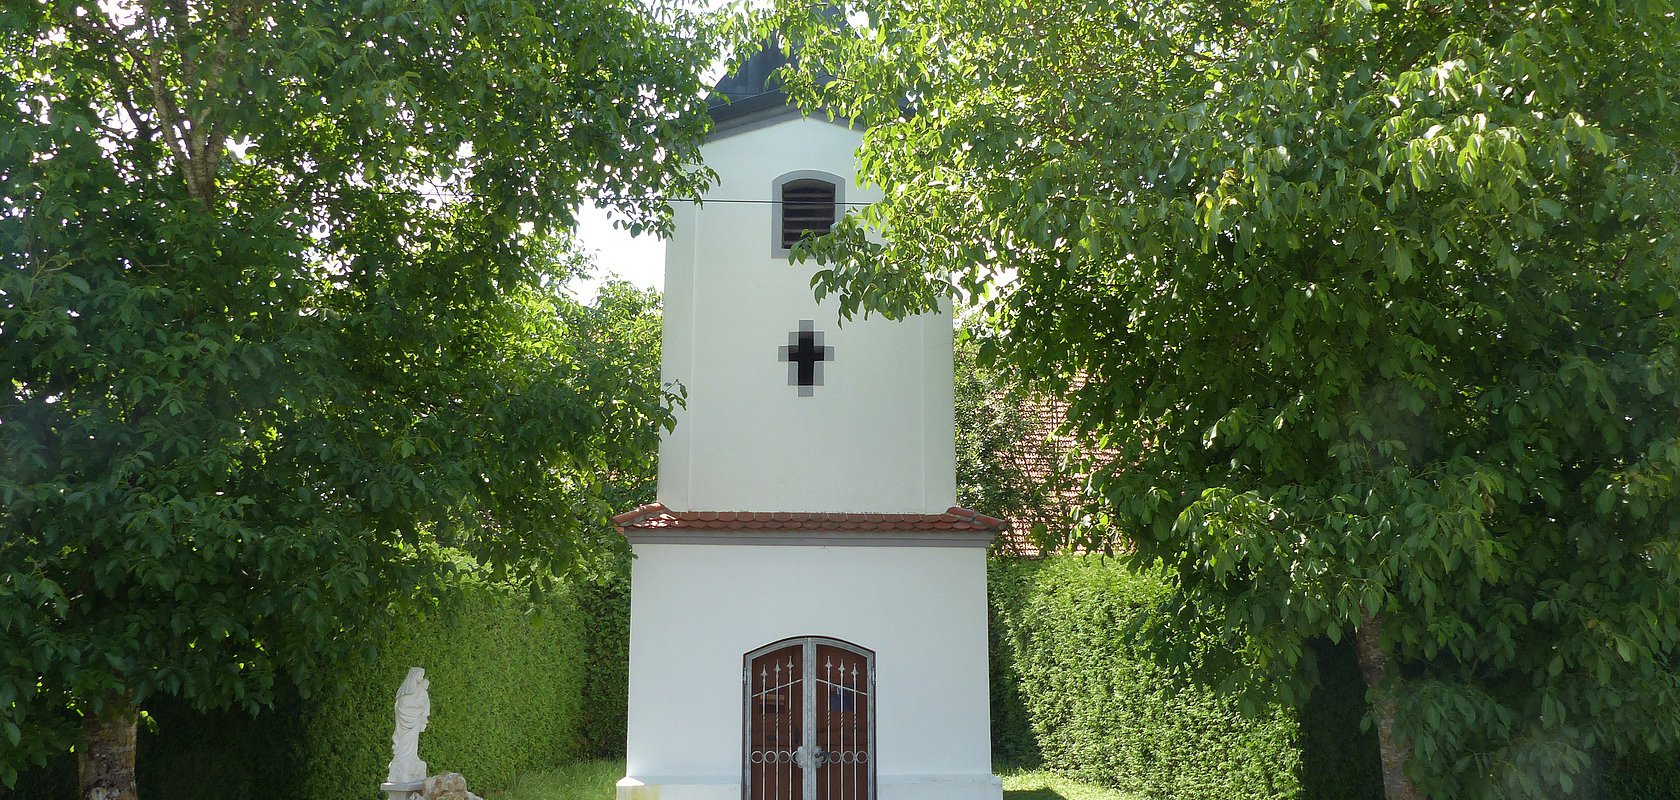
column 593, row 780
column 1021, row 784
column 584, row 780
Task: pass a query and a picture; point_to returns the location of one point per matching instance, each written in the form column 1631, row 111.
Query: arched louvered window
column 807, row 204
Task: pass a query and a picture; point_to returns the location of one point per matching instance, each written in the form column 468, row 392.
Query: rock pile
column 448, row 786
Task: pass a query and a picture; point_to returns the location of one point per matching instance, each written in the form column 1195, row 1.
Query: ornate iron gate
column 809, row 721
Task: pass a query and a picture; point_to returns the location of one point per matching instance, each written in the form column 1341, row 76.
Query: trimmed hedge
column 604, row 605
column 506, row 692
column 1100, row 709
column 1013, row 742
column 1340, row 759
column 1645, row 776
column 1069, row 690
column 194, row 755
column 514, row 692
column 225, row 755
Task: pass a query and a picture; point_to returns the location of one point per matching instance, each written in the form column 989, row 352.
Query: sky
column 637, row 259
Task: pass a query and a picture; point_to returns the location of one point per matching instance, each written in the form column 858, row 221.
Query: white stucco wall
column 696, row 610
column 876, row 436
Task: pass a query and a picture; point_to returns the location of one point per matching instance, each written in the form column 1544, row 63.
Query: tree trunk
column 106, row 759
column 1378, row 668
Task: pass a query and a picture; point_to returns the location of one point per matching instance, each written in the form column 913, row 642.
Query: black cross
column 805, row 355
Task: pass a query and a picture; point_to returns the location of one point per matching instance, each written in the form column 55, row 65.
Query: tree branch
column 114, row 38
column 170, row 115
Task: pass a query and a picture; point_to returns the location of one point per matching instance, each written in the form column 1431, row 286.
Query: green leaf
column 279, row 405
column 1472, row 401
column 1399, row 262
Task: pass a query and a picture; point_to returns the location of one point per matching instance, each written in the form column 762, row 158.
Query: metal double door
column 809, row 714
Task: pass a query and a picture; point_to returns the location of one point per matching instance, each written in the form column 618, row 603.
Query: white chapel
column 808, row 606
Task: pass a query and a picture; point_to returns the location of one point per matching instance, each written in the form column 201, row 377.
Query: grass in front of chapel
column 584, row 780
column 594, row 780
column 1037, row 784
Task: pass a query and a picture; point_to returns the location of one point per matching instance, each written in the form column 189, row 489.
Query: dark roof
column 655, row 516
column 752, row 95
column 753, row 78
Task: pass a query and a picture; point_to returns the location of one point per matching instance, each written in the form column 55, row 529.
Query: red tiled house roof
column 1041, row 457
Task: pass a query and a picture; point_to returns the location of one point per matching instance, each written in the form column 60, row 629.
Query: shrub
column 222, row 755
column 604, row 604
column 1339, row 756
column 1643, row 776
column 506, row 691
column 1068, row 686
column 1100, row 708
column 185, row 754
column 1013, row 742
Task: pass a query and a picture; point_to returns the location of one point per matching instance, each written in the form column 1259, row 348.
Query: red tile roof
column 655, row 516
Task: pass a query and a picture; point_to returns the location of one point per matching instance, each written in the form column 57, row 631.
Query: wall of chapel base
column 696, row 610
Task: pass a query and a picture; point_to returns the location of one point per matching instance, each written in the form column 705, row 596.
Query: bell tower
column 788, row 410
column 808, row 605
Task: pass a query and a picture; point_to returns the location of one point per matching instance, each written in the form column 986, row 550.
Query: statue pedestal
column 407, row 790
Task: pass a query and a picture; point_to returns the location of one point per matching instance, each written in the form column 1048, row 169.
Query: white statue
column 414, row 706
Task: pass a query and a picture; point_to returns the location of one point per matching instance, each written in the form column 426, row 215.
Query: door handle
column 810, row 758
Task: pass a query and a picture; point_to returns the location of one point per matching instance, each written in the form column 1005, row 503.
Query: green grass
column 593, row 780
column 584, row 780
column 1022, row 784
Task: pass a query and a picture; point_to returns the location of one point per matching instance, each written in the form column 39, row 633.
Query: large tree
column 280, row 335
column 1377, row 301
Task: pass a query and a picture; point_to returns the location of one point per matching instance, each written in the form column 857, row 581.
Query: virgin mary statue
column 414, row 706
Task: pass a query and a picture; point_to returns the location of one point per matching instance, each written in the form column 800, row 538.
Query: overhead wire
column 646, row 199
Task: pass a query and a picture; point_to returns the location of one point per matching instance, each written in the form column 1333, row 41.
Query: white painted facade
column 875, row 437
column 921, row 609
